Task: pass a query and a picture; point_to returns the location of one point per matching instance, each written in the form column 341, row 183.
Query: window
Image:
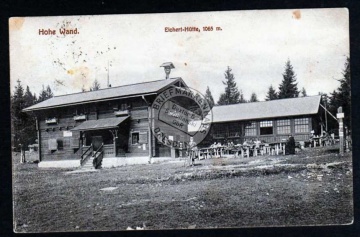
column 219, row 131
column 283, row 126
column 302, row 125
column 135, row 138
column 123, row 107
column 80, row 110
column 234, row 130
column 60, row 144
column 250, row 129
column 266, row 127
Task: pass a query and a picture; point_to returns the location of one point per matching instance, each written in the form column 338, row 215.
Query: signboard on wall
column 143, row 138
column 67, row 134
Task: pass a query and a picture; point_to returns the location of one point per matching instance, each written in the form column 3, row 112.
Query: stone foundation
column 60, row 164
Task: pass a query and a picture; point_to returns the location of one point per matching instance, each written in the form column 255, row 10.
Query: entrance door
column 96, row 142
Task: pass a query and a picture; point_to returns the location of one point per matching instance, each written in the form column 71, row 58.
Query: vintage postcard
column 181, row 120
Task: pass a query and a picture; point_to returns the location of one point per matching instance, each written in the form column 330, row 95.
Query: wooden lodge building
column 269, row 121
column 117, row 120
column 117, row 117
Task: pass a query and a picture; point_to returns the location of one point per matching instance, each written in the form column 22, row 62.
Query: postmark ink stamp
column 180, row 115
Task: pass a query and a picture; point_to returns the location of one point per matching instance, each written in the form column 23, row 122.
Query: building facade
column 116, row 119
column 118, row 122
column 268, row 121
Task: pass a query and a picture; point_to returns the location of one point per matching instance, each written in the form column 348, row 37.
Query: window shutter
column 143, row 138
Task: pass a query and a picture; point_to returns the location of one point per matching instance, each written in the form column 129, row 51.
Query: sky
column 130, row 49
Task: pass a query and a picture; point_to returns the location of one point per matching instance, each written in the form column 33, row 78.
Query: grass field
column 313, row 187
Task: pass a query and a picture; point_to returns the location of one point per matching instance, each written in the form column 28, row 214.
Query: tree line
column 23, row 124
column 23, row 128
column 288, row 88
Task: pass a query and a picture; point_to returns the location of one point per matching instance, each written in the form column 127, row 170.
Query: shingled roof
column 267, row 109
column 144, row 88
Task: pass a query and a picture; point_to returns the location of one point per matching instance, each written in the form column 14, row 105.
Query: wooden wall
column 139, row 124
column 65, row 122
column 57, row 131
column 274, row 137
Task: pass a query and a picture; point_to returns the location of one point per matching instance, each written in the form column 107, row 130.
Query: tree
column 288, row 87
column 45, row 94
column 253, row 98
column 231, row 94
column 50, row 94
column 303, row 92
column 29, row 98
column 342, row 95
column 95, row 86
column 22, row 125
column 241, row 98
column 271, row 94
column 209, row 97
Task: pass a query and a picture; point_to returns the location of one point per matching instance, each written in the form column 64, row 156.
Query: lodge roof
column 266, row 109
column 111, row 93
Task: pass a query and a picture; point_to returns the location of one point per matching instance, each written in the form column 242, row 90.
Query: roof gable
column 267, row 109
column 111, row 93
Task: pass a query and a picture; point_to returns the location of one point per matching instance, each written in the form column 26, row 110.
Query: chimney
column 167, row 68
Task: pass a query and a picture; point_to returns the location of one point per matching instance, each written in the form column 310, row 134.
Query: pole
column 340, row 116
column 326, row 123
column 38, row 137
column 108, row 81
column 346, row 139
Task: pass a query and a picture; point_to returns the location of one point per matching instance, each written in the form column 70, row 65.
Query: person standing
column 290, row 146
column 193, row 151
column 22, row 153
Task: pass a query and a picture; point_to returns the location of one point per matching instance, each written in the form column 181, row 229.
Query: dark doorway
column 96, row 141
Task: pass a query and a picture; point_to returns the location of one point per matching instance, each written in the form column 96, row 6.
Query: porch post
column 114, row 133
column 149, row 133
column 38, row 137
column 116, row 136
column 114, row 144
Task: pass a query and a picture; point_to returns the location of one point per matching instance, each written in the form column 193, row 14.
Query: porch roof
column 99, row 124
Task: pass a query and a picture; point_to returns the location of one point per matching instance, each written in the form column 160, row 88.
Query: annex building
column 268, row 121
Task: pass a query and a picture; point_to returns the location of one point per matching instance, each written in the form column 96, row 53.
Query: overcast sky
column 255, row 44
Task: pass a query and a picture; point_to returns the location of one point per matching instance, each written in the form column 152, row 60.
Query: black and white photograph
column 193, row 120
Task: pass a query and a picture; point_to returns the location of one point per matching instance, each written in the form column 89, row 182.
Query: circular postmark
column 181, row 117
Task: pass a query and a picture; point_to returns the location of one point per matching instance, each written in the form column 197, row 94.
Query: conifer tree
column 303, row 92
column 22, row 124
column 253, row 98
column 95, row 86
column 241, row 98
column 231, row 94
column 49, row 92
column 342, row 95
column 45, row 94
column 29, row 98
column 271, row 94
column 209, row 97
column 288, row 87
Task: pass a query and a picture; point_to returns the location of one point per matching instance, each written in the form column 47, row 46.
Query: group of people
column 324, row 139
column 194, row 151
